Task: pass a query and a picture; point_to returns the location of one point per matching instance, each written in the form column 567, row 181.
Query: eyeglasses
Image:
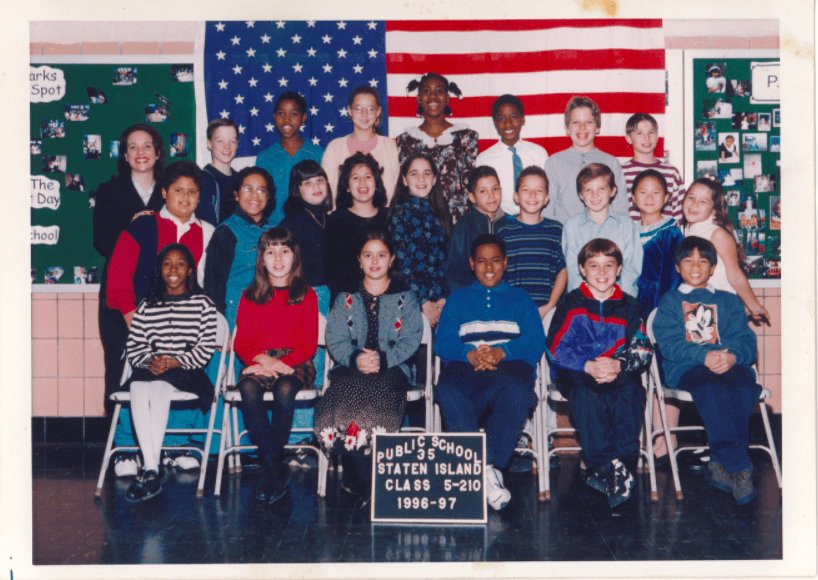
column 362, row 110
column 248, row 189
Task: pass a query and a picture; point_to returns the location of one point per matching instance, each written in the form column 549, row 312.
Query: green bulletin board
column 60, row 150
column 737, row 139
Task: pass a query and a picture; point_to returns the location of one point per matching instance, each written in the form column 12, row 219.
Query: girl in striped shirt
column 172, row 337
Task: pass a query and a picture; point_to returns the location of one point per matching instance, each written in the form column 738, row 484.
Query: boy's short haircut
column 578, row 102
column 216, row 123
column 691, row 243
column 487, row 240
column 296, row 98
column 634, row 120
column 479, row 173
column 531, row 170
column 181, row 169
column 591, row 172
column 599, row 247
column 506, row 100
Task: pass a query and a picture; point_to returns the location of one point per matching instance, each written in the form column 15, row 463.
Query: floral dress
column 454, row 152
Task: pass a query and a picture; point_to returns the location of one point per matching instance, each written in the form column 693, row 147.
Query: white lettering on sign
column 45, row 192
column 47, row 84
column 766, row 82
column 49, row 235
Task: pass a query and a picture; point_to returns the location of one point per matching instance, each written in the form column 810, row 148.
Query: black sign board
column 429, row 478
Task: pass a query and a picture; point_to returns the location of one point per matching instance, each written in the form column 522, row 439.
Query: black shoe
column 351, row 484
column 619, row 481
column 364, row 498
column 164, row 474
column 264, row 487
column 146, row 485
column 660, row 462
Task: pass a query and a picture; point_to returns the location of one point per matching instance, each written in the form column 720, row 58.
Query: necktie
column 518, row 164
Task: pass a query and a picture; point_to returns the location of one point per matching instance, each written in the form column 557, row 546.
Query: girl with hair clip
column 364, row 110
column 361, row 198
column 276, row 338
column 374, row 327
column 453, row 147
column 173, row 335
column 420, row 225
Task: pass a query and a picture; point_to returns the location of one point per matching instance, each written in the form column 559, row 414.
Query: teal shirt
column 278, row 163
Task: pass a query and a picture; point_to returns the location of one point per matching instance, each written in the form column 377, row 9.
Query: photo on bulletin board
column 752, row 165
column 52, row 129
column 54, row 163
column 744, row 121
column 775, row 212
column 113, row 151
column 706, row 136
column 182, row 73
column 753, row 141
column 765, row 183
column 717, row 109
column 74, row 182
column 776, row 117
column 36, row 146
column 124, row 75
column 178, row 145
column 707, row 168
column 96, row 96
column 76, row 112
column 728, row 148
column 716, row 81
column 156, row 113
column 92, row 146
column 739, row 88
column 733, row 196
column 764, row 123
column 730, row 177
column 775, row 144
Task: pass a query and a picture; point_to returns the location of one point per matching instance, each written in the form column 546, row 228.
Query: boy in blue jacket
column 490, row 338
column 598, row 347
column 707, row 349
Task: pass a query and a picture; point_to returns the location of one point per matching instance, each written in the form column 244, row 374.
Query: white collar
column 687, row 288
column 446, row 138
column 179, row 224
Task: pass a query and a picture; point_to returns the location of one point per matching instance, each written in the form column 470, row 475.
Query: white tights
column 150, row 407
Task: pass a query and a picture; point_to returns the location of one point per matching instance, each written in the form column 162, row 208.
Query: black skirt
column 189, row 380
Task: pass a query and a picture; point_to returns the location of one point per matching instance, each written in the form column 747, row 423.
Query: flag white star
column 373, row 83
column 251, row 52
column 267, row 67
column 326, row 38
column 268, row 98
column 316, row 141
column 256, row 141
column 266, row 39
column 329, row 127
column 220, row 55
column 269, row 127
column 239, row 99
column 373, row 53
column 281, row 52
column 372, row 25
column 343, row 82
column 343, row 112
column 250, row 23
column 296, row 39
column 223, row 84
column 282, row 82
column 297, row 67
column 357, row 39
column 342, row 25
column 242, row 129
column 310, row 23
column 237, row 69
column 220, row 27
column 313, row 81
column 253, row 82
column 254, row 112
column 342, row 53
column 327, row 68
column 311, row 51
column 313, row 111
column 328, row 98
column 224, row 114
column 280, row 24
column 358, row 68
column 235, row 40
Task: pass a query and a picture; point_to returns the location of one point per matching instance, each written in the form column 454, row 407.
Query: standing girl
column 419, row 225
column 173, row 335
column 453, row 147
column 360, row 201
column 374, row 326
column 365, row 111
column 705, row 216
column 289, row 114
column 276, row 338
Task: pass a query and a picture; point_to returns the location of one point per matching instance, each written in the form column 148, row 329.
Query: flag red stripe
column 547, row 104
column 520, row 62
column 493, row 25
column 616, row 146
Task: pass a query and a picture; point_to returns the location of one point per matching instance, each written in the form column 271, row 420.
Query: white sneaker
column 125, row 466
column 186, row 461
column 496, row 495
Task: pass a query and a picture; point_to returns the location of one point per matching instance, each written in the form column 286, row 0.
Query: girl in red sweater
column 277, row 337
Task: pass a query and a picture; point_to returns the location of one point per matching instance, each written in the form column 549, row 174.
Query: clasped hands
column 369, row 361
column 161, row 363
column 267, row 366
column 603, row 369
column 485, row 357
column 719, row 361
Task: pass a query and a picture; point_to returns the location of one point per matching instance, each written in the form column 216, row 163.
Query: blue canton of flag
column 249, row 64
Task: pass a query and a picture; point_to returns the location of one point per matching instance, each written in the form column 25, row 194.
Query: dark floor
column 71, row 527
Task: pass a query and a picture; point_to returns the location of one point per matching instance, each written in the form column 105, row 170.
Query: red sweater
column 262, row 327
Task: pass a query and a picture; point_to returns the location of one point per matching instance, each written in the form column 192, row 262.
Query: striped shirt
column 183, row 327
column 675, row 187
column 534, row 256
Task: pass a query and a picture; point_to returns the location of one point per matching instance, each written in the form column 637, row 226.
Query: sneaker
column 718, row 477
column 620, row 483
column 496, row 495
column 184, row 461
column 597, row 481
column 146, row 485
column 742, row 487
column 125, row 465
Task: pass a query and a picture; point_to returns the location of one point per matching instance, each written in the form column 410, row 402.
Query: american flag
column 620, row 64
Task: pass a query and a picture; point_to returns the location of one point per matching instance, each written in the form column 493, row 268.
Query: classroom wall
column 67, row 375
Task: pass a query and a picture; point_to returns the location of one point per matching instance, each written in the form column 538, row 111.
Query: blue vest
column 243, row 268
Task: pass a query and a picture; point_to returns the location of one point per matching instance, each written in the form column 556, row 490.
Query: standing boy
column 510, row 154
column 595, row 188
column 597, row 345
column 483, row 188
column 707, row 349
column 582, row 124
column 642, row 133
column 535, row 260
column 222, row 142
column 490, row 339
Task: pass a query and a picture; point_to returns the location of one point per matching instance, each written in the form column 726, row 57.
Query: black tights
column 360, row 465
column 270, row 438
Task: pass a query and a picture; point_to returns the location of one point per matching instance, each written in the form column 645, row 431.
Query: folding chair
column 663, row 392
column 124, row 397
column 231, row 437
